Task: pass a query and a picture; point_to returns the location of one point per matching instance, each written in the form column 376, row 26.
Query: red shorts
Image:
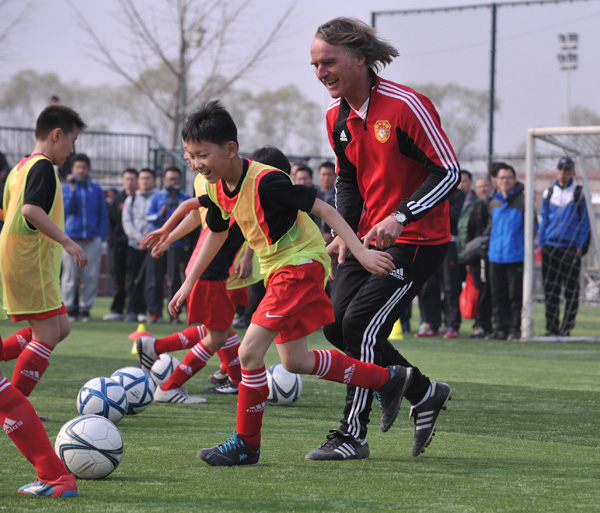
column 1, row 350
column 295, row 303
column 239, row 297
column 209, row 304
column 41, row 315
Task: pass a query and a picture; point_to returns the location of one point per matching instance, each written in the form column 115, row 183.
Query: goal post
column 544, row 147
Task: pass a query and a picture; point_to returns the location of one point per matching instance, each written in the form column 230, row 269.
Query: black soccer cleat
column 391, row 394
column 340, row 447
column 426, row 415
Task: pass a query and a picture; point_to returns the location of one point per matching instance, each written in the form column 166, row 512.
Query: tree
column 11, row 21
column 164, row 59
column 582, row 116
column 464, row 112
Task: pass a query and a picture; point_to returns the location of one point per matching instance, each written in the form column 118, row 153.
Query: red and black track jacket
column 396, row 157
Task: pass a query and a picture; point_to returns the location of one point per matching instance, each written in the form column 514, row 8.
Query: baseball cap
column 566, row 163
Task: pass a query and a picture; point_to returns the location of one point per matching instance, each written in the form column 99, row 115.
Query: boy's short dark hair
column 148, row 170
column 272, row 156
column 57, row 116
column 81, row 157
column 131, row 170
column 211, row 123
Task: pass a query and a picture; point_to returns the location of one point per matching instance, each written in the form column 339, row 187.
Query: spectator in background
column 4, row 170
column 466, row 185
column 117, row 244
column 304, row 176
column 86, row 223
column 294, row 168
column 327, row 178
column 479, row 267
column 136, row 226
column 564, row 235
column 172, row 263
column 504, row 240
column 441, row 292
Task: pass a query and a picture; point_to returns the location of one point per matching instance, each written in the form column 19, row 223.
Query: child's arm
column 189, row 223
column 210, row 247
column 376, row 262
column 38, row 218
column 158, row 236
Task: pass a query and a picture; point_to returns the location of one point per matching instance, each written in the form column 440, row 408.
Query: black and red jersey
column 393, row 155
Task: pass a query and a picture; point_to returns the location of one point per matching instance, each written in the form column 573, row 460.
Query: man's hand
column 385, row 233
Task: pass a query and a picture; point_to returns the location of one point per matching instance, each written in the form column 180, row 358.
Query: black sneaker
column 426, row 415
column 497, row 335
column 390, row 396
column 226, row 387
column 230, row 453
column 340, row 447
column 218, row 377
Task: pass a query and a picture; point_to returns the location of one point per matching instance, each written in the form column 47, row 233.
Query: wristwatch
column 400, row 217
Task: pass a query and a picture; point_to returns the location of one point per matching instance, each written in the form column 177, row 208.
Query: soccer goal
column 545, row 146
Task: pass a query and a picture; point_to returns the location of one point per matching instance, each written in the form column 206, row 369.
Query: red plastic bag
column 469, row 299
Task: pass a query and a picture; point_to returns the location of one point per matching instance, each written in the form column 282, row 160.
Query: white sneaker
column 142, row 317
column 112, row 316
column 177, row 395
column 146, row 353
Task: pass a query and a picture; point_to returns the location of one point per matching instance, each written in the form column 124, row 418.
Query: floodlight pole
column 492, row 97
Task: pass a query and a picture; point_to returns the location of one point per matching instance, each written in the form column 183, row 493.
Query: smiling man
column 396, row 170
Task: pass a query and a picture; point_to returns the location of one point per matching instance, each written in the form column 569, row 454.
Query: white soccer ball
column 90, row 446
column 163, row 368
column 138, row 386
column 284, row 386
column 104, row 397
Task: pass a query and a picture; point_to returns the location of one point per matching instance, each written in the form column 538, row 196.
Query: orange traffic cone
column 140, row 332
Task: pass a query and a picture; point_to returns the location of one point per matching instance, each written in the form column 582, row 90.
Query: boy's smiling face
column 212, row 161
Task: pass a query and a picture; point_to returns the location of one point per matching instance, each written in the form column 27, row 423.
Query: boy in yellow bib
column 32, row 241
column 272, row 213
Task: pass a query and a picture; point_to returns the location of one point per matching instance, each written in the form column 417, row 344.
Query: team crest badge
column 383, row 129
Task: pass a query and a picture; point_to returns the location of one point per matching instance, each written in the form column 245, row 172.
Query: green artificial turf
column 522, row 434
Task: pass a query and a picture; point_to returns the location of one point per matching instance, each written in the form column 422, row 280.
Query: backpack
column 577, row 201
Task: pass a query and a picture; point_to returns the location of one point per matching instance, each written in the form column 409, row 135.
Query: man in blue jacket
column 86, row 222
column 564, row 235
column 505, row 241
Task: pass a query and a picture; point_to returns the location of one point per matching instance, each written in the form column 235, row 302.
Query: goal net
column 545, row 146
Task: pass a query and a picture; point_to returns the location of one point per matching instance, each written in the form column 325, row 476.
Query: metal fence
column 110, row 153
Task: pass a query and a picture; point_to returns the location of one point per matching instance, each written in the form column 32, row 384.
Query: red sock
column 16, row 343
column 23, row 426
column 230, row 361
column 193, row 362
column 30, row 366
column 180, row 340
column 336, row 366
column 252, row 399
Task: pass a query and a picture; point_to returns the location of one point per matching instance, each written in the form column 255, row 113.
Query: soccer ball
column 163, row 368
column 138, row 386
column 284, row 387
column 104, row 397
column 90, row 446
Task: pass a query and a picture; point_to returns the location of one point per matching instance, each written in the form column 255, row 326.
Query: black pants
column 366, row 307
column 560, row 270
column 172, row 264
column 484, row 306
column 118, row 268
column 136, row 269
column 441, row 293
column 507, row 296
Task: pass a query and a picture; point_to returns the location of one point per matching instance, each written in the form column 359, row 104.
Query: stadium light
column 568, row 61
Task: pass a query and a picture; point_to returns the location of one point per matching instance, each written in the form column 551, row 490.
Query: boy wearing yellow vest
column 31, row 245
column 272, row 213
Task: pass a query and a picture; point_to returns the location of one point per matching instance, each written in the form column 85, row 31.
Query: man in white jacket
column 136, row 226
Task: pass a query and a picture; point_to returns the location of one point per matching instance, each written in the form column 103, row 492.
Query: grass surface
column 522, row 434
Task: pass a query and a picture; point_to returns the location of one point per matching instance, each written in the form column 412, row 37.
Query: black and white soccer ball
column 163, row 368
column 104, row 397
column 138, row 386
column 90, row 446
column 284, row 387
